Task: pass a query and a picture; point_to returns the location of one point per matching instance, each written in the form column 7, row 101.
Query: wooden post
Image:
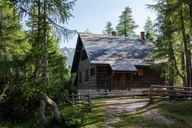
column 73, row 97
column 89, row 102
column 79, row 97
column 131, row 82
column 150, row 95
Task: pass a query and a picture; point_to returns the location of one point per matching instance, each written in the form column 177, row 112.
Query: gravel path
column 157, row 116
column 119, row 105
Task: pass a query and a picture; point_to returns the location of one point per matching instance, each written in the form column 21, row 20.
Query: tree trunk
column 45, row 55
column 42, row 117
column 185, row 42
column 183, row 69
column 38, row 40
column 171, row 65
column 54, row 107
column 190, row 14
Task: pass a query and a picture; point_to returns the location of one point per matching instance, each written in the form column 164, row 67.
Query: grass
column 179, row 111
column 130, row 120
column 73, row 114
column 95, row 119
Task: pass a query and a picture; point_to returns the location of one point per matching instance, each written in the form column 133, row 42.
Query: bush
column 17, row 108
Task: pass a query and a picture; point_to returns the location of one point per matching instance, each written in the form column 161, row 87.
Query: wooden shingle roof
column 122, row 54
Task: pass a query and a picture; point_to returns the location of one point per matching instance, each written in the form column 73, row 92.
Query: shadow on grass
column 180, row 111
column 94, row 119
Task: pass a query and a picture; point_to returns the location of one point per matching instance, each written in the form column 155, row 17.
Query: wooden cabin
column 108, row 63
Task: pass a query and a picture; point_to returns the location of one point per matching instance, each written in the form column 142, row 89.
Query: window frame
column 140, row 72
column 92, row 71
column 80, row 77
column 87, row 75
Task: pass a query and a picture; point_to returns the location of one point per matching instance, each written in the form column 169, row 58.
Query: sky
column 92, row 15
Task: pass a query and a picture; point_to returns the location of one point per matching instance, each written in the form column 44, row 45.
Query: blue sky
column 93, row 15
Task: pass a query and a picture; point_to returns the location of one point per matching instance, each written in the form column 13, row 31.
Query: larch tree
column 45, row 14
column 165, row 49
column 126, row 24
column 149, row 30
column 13, row 49
column 108, row 28
column 179, row 19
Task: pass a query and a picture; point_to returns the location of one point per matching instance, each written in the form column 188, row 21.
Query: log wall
column 91, row 82
column 150, row 77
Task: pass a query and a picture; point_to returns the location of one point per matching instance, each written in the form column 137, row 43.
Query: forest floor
column 137, row 113
column 117, row 113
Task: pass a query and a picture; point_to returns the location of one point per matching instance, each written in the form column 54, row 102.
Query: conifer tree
column 177, row 20
column 44, row 14
column 13, row 49
column 108, row 28
column 126, row 24
column 150, row 33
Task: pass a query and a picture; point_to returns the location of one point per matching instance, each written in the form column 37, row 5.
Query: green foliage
column 19, row 53
column 74, row 118
column 17, row 108
column 108, row 28
column 58, row 73
column 59, row 12
column 14, row 47
column 126, row 24
column 149, row 30
column 170, row 42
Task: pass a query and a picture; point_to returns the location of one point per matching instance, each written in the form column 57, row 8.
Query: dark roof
column 122, row 54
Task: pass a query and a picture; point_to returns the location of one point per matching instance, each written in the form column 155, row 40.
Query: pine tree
column 126, row 24
column 150, row 33
column 108, row 28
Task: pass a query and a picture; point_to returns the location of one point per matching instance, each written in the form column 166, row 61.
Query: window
column 80, row 77
column 140, row 72
column 92, row 71
column 83, row 55
column 86, row 75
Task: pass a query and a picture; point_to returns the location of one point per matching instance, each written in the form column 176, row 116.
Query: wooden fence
column 154, row 92
column 169, row 92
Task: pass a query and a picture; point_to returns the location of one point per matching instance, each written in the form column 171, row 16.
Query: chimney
column 114, row 33
column 142, row 35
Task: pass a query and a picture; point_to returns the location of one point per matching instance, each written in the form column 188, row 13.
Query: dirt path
column 113, row 107
column 119, row 105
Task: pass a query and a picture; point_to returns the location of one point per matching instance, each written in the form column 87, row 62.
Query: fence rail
column 154, row 92
column 169, row 92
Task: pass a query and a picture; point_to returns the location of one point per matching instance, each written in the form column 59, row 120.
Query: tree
column 186, row 45
column 150, row 33
column 178, row 21
column 165, row 49
column 44, row 14
column 13, row 50
column 126, row 24
column 108, row 28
